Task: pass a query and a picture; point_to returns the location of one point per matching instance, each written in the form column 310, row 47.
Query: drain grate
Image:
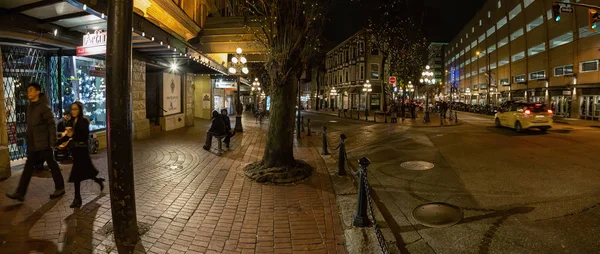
column 437, row 214
column 417, row 165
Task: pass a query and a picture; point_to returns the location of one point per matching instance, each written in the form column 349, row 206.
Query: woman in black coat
column 83, row 169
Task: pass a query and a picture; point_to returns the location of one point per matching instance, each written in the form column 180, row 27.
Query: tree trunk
column 317, row 100
column 279, row 149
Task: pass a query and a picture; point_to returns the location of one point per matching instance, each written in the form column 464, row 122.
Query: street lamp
column 367, row 89
column 238, row 65
column 256, row 91
column 427, row 78
column 332, row 95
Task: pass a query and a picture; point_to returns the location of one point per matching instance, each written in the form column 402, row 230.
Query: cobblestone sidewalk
column 188, row 201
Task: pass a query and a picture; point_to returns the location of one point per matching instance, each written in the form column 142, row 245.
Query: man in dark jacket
column 217, row 128
column 227, row 123
column 41, row 137
column 64, row 122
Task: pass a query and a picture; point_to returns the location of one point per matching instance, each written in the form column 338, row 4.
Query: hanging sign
column 93, row 44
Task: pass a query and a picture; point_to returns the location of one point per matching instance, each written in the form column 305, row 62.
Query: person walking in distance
column 41, row 136
column 83, row 168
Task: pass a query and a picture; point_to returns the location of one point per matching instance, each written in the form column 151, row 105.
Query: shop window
column 535, row 23
column 504, row 82
column 501, row 22
column 375, row 71
column 537, row 75
column 589, row 66
column 516, row 34
column 518, row 56
column 514, row 12
column 519, row 78
column 561, row 40
column 563, row 70
column 536, row 49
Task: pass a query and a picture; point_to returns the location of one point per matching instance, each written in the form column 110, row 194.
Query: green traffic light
column 557, row 18
column 594, row 26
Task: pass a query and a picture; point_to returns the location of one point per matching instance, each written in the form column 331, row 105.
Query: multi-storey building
column 349, row 65
column 436, row 62
column 527, row 55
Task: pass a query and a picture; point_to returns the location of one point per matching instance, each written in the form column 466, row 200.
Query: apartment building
column 348, row 66
column 527, row 55
column 436, row 61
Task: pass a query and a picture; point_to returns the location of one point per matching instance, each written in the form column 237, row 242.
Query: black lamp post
column 237, row 65
column 367, row 89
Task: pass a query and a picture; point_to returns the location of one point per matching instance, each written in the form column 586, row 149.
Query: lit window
column 474, row 73
column 489, row 14
column 519, row 78
column 504, row 82
column 461, row 40
column 549, row 14
column 499, row 4
column 462, row 65
column 516, row 34
column 502, row 22
column 480, row 23
column 472, row 29
column 482, row 70
column 474, row 44
column 375, row 71
column 491, row 48
column 482, row 53
column 537, row 75
column 561, row 40
column 462, row 52
column 503, row 62
column 491, row 31
column 492, row 66
column 473, row 59
column 481, row 38
column 467, row 48
column 518, row 56
column 468, row 61
column 468, row 75
column 536, row 49
column 535, row 23
column 502, row 42
column 589, row 66
column 527, row 2
column 563, row 70
column 467, row 36
column 514, row 12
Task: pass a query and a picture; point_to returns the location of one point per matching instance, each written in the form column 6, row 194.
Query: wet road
column 520, row 193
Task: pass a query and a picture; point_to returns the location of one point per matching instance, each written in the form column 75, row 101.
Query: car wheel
column 518, row 127
column 497, row 122
column 544, row 130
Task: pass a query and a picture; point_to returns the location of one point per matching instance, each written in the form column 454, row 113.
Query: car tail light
column 527, row 112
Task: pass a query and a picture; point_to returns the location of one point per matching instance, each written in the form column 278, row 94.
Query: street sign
column 567, row 9
column 392, row 80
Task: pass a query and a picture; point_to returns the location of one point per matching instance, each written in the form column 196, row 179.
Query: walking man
column 41, row 137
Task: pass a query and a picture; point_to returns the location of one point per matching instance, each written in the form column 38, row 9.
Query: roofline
column 361, row 31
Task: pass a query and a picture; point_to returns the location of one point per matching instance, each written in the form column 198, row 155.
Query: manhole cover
column 417, row 165
column 437, row 214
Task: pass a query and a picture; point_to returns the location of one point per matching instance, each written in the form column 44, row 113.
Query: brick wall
column 141, row 125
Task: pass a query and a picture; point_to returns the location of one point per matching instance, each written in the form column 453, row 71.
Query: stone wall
column 189, row 99
column 141, row 125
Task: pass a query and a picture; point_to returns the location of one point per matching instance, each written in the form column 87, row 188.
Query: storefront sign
column 98, row 72
column 566, row 92
column 206, row 101
column 171, row 93
column 93, row 44
column 222, row 84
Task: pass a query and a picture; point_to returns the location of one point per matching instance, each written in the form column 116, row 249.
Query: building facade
column 515, row 50
column 348, row 67
column 436, row 59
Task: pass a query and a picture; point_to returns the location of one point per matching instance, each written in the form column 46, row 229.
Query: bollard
column 342, row 156
column 325, row 152
column 361, row 218
column 302, row 123
column 308, row 131
column 455, row 117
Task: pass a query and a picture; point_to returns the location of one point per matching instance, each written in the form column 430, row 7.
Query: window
column 537, row 75
column 561, row 40
column 481, row 38
column 563, row 70
column 516, row 34
column 589, row 66
column 375, row 71
column 491, row 31
column 474, row 73
column 514, row 12
column 491, row 48
column 480, row 23
column 502, row 42
column 361, row 48
column 501, row 23
column 535, row 23
column 492, row 66
column 472, row 29
column 499, row 4
column 467, row 36
column 503, row 62
column 468, row 61
column 482, row 70
column 474, row 44
column 375, row 52
column 549, row 14
column 462, row 52
column 527, row 2
column 482, row 53
column 489, row 14
column 536, row 49
column 518, row 56
column 584, row 32
column 467, row 48
column 519, row 78
column 361, row 74
column 504, row 82
column 473, row 59
column 461, row 40
column 462, row 65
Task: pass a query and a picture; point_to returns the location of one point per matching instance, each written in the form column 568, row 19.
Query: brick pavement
column 188, row 201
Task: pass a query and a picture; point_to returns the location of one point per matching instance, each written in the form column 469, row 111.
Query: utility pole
column 120, row 154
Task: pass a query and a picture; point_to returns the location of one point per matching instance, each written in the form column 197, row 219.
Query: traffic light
column 593, row 18
column 556, row 12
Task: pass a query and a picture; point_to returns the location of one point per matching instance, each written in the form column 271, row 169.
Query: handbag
column 65, row 144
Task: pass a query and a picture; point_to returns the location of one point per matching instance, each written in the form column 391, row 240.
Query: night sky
column 442, row 19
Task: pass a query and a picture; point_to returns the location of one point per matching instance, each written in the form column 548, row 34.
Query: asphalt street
column 520, row 193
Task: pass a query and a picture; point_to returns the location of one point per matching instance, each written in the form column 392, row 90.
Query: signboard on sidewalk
column 171, row 94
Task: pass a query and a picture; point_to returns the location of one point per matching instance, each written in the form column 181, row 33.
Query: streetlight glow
column 238, row 50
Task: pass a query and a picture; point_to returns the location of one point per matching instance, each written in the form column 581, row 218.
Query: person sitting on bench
column 217, row 128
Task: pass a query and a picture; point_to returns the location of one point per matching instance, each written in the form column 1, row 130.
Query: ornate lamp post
column 427, row 79
column 238, row 66
column 367, row 89
column 256, row 91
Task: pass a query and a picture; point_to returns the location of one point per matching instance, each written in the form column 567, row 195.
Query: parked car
column 523, row 115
